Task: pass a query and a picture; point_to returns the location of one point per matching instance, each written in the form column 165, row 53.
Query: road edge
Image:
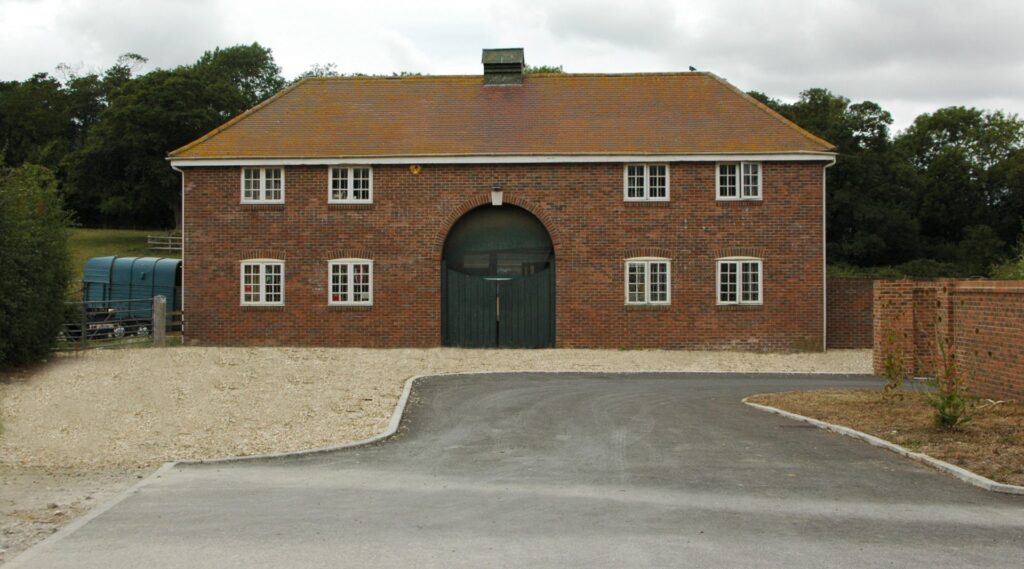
column 959, row 472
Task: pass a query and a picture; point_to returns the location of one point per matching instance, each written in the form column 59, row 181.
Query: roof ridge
column 234, row 120
column 775, row 114
column 478, row 76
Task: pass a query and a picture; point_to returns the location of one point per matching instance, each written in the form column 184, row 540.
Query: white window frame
column 646, row 262
column 350, row 263
column 262, row 264
column 350, row 176
column 739, row 181
column 646, row 196
column 262, row 189
column 739, row 261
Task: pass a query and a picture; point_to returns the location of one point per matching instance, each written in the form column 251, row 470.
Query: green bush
column 917, row 269
column 33, row 254
column 953, row 404
column 1013, row 269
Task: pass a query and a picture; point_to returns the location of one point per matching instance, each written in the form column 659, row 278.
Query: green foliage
column 1014, row 268
column 953, row 404
column 966, row 182
column 331, row 70
column 916, row 269
column 532, row 69
column 34, row 252
column 948, row 191
column 119, row 175
column 318, row 70
column 241, row 76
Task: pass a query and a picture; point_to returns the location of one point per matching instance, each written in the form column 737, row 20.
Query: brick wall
column 592, row 228
column 849, row 313
column 982, row 321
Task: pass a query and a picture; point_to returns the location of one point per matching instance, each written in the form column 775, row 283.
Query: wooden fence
column 168, row 242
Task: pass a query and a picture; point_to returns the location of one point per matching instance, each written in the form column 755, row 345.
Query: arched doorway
column 498, row 281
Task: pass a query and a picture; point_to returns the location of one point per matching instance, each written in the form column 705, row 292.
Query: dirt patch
column 991, row 445
column 83, row 426
column 36, row 502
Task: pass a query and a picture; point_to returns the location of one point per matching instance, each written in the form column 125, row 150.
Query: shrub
column 33, row 254
column 1012, row 269
column 954, row 406
column 894, row 370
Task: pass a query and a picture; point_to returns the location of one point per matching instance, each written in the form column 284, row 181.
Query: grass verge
column 991, row 445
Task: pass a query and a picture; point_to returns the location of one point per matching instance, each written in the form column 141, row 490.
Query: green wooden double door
column 494, row 312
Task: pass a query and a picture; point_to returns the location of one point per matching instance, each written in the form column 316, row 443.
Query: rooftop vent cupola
column 503, row 66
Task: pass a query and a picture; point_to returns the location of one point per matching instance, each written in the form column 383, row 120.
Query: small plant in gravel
column 954, row 405
column 894, row 370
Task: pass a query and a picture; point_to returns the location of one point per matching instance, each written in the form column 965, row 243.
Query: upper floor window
column 262, row 185
column 739, row 181
column 351, row 282
column 262, row 282
column 646, row 182
column 351, row 185
column 648, row 281
column 739, row 281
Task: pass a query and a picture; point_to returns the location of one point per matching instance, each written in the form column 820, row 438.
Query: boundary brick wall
column 850, row 323
column 593, row 230
column 981, row 321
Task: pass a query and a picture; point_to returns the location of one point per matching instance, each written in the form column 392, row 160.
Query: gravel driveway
column 565, row 471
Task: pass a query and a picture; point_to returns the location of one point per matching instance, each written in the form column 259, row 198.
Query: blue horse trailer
column 118, row 292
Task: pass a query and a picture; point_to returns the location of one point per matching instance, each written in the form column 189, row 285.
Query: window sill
column 749, row 201
column 647, row 307
column 649, row 202
column 350, row 307
column 262, row 307
column 741, row 307
column 349, row 205
column 272, row 206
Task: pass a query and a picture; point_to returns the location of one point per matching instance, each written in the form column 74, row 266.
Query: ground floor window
column 262, row 282
column 351, row 282
column 647, row 281
column 739, row 281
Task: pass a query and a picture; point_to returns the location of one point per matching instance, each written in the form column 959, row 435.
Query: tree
column 870, row 218
column 249, row 71
column 33, row 121
column 318, row 70
column 33, row 231
column 533, row 69
column 966, row 182
column 121, row 170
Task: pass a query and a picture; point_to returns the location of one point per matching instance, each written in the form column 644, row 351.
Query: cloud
column 168, row 32
column 907, row 55
column 646, row 24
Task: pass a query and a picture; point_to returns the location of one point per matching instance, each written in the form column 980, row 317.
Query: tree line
column 945, row 197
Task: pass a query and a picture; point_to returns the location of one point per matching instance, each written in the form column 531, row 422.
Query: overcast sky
column 909, row 56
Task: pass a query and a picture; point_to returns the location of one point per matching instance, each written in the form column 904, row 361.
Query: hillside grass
column 87, row 243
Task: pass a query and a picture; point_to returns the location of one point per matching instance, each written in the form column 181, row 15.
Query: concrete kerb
column 961, row 473
column 392, row 428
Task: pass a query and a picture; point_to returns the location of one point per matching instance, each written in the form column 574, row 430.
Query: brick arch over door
column 484, row 199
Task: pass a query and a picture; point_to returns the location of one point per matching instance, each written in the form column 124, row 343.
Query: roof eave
column 799, row 155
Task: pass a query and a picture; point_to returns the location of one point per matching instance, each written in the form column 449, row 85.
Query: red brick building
column 576, row 210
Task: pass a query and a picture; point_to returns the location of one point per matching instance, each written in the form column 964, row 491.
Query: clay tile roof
column 556, row 114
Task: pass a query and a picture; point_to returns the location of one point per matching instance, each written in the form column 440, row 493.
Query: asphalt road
column 555, row 470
